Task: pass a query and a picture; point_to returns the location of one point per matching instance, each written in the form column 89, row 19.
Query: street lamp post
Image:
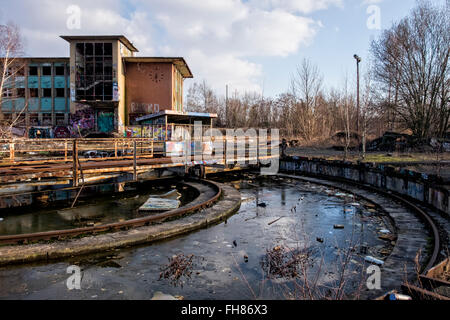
column 358, row 60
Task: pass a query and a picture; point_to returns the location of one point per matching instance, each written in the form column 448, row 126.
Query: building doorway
column 105, row 121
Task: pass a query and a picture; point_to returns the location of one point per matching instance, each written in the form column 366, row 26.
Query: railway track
column 417, row 210
column 426, row 288
column 204, row 200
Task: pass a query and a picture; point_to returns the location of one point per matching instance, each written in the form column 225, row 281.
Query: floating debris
column 398, row 296
column 319, row 240
column 179, row 266
column 262, row 205
column 384, row 231
column 271, row 223
column 374, row 260
column 167, row 201
column 338, row 226
column 388, row 237
column 162, row 296
column 354, row 204
column 283, row 262
column 339, row 194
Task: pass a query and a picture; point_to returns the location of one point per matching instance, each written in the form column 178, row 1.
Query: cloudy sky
column 247, row 44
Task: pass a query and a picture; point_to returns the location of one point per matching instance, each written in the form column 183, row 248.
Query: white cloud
column 218, row 38
column 297, row 6
column 369, row 2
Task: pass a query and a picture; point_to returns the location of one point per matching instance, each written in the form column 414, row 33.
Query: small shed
column 161, row 125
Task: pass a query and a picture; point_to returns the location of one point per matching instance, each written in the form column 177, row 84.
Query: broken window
column 60, row 119
column 59, row 92
column 99, row 49
column 59, row 71
column 33, row 71
column 47, row 71
column 93, row 63
column 108, row 49
column 46, row 93
column 47, row 119
column 6, row 118
column 7, row 93
column 20, row 93
column 20, row 72
column 34, row 92
column 89, row 49
column 34, row 119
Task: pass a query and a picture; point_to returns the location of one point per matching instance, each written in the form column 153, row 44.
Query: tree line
column 406, row 87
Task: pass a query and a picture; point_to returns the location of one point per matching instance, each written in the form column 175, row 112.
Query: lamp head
column 358, row 59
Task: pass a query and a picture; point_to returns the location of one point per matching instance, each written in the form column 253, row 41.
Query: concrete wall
column 421, row 187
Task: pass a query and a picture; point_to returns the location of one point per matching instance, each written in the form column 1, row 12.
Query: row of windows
column 35, row 119
column 34, row 71
column 46, row 71
column 34, row 93
column 94, row 49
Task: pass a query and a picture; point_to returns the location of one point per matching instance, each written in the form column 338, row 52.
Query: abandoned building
column 101, row 88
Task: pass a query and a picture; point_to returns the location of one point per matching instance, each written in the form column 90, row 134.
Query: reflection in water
column 102, row 209
column 231, row 255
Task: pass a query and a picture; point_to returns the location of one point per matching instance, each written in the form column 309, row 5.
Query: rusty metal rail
column 111, row 227
column 130, row 155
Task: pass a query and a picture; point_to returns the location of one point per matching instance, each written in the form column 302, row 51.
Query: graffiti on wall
column 153, row 132
column 40, row 133
column 82, row 121
column 144, row 108
column 61, row 132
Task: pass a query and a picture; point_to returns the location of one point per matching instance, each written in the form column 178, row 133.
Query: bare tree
column 413, row 56
column 306, row 86
column 11, row 68
column 368, row 111
column 343, row 103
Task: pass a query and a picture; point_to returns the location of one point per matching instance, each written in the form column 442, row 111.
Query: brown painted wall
column 148, row 84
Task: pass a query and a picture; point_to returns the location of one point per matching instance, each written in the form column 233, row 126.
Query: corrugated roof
column 177, row 113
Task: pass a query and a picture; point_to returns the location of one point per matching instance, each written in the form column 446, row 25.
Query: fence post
column 153, row 149
column 65, row 150
column 115, row 148
column 75, row 163
column 11, row 151
column 134, row 161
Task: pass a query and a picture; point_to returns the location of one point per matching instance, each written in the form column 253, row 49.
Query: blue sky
column 250, row 45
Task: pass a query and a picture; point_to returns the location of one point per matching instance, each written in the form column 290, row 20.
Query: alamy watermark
column 234, row 147
column 74, row 281
column 374, row 20
column 73, row 21
column 373, row 282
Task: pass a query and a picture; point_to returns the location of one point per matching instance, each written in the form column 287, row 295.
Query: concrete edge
column 228, row 205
